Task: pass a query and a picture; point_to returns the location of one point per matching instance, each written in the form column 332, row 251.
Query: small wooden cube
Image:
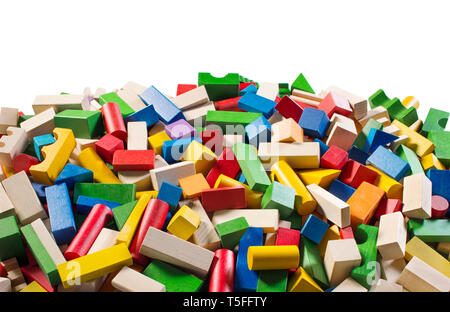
column 184, row 223
column 157, row 140
column 287, row 131
column 193, row 185
column 281, row 197
column 230, row 232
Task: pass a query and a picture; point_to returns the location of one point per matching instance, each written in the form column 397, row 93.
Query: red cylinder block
column 154, row 216
column 439, row 206
column 113, row 119
column 222, row 271
column 82, row 242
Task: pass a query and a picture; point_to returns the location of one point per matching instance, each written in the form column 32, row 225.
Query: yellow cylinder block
column 89, row 159
column 273, row 257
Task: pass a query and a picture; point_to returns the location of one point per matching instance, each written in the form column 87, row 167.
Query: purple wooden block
column 180, row 129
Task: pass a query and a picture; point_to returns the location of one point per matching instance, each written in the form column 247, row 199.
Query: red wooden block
column 226, row 164
column 244, row 85
column 287, row 237
column 277, row 99
column 289, row 108
column 34, row 273
column 355, row 173
column 183, row 88
column 335, row 103
column 439, row 206
column 133, row 160
column 154, row 216
column 213, row 139
column 97, row 218
column 113, row 120
column 24, row 162
column 222, row 271
column 388, row 205
column 229, row 105
column 31, row 260
column 346, row 233
column 224, row 198
column 107, row 145
column 3, row 272
column 334, row 158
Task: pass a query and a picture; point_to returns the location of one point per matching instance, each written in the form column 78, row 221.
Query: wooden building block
column 391, row 269
column 415, row 141
column 253, row 198
column 171, row 194
column 287, row 131
column 10, row 241
column 430, row 161
column 39, row 124
column 417, row 196
column 431, row 230
column 33, row 287
column 376, row 113
column 83, row 123
column 193, row 185
column 180, row 129
column 171, row 173
column 268, row 90
column 223, row 198
column 358, row 104
column 8, row 118
column 281, row 197
column 272, row 281
column 133, row 160
column 389, row 163
column 107, row 145
column 12, row 144
column 220, row 88
column 302, row 282
column 335, row 102
column 392, row 234
column 165, row 108
column 60, row 102
column 436, row 120
column 298, row 155
column 387, row 206
column 408, row 155
column 137, row 135
column 6, row 206
column 184, row 223
column 314, row 228
column 202, row 157
column 321, row 177
column 377, row 138
column 90, row 160
column 386, row 286
column 131, row 97
column 355, row 173
column 230, row 232
column 314, row 122
column 235, row 121
column 439, row 206
column 157, row 140
column 332, row 233
column 199, row 113
column 5, row 284
column 342, row 136
column 366, row 237
column 289, row 108
column 191, row 98
column 226, row 164
column 267, row 219
column 341, row 257
column 141, row 179
column 334, row 158
column 251, row 102
column 349, row 285
column 312, row 262
column 273, row 257
column 441, row 140
column 392, row 188
column 128, row 280
column 363, row 203
column 47, row 241
column 72, row 174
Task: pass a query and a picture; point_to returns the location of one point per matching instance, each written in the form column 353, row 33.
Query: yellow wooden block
column 184, row 223
column 33, row 287
column 417, row 248
column 321, row 177
column 415, row 141
column 253, row 198
column 55, row 156
column 203, row 158
column 156, row 141
column 430, row 161
column 302, row 282
column 8, row 171
column 128, row 230
column 283, row 173
column 279, row 257
column 331, row 234
column 411, row 101
column 89, row 159
column 416, row 126
column 94, row 265
column 153, row 194
column 392, row 188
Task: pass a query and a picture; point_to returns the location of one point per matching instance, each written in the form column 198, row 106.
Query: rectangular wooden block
column 6, row 206
column 8, row 118
column 417, row 196
column 267, row 219
column 415, row 141
column 48, row 241
column 60, row 102
column 224, row 198
column 120, row 193
column 172, row 173
column 341, row 256
column 137, row 135
column 128, row 280
column 298, row 155
column 392, row 234
column 364, row 202
column 191, row 98
column 39, row 124
column 358, row 103
column 13, row 143
column 141, row 179
column 136, row 160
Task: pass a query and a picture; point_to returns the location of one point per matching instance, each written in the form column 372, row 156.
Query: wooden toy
column 287, row 236
column 226, row 164
column 355, row 173
column 27, row 206
column 363, row 203
column 302, row 282
column 91, row 161
column 272, row 281
column 253, row 198
column 146, row 114
column 334, row 102
column 306, row 98
column 334, row 158
column 193, row 185
column 23, row 162
column 258, row 131
column 112, row 97
column 389, row 163
column 191, row 97
column 8, row 118
column 341, row 190
column 436, row 120
column 342, row 135
column 439, row 206
column 377, row 138
column 332, row 233
column 394, row 106
column 134, row 160
column 357, row 103
column 321, row 177
column 231, row 105
column 171, row 173
column 5, row 284
column 230, row 232
column 234, row 121
column 131, row 97
column 441, row 141
column 156, row 141
column 349, row 285
column 113, row 120
column 84, row 124
column 411, row 101
column 33, row 287
column 267, row 219
column 180, row 129
column 417, row 196
column 250, row 88
column 430, row 161
column 362, row 136
column 172, row 278
column 39, row 124
column 281, row 197
column 287, row 131
column 170, row 193
column 273, row 257
column 430, row 230
column 267, row 90
column 60, row 102
column 47, row 241
column 314, row 229
column 220, row 88
column 288, row 108
column 213, row 139
column 122, row 212
column 251, row 102
column 386, row 286
column 72, row 174
column 223, row 198
column 391, row 239
column 409, row 156
column 311, row 262
column 10, row 241
column 11, row 145
column 298, row 155
column 314, row 122
column 392, row 188
column 6, row 206
column 415, row 141
column 341, row 256
column 379, row 114
column 198, row 114
column 165, row 108
column 128, row 280
column 387, row 206
column 14, row 274
column 137, row 135
column 366, row 237
column 441, row 182
column 301, row 83
column 173, row 150
column 173, row 250
column 202, row 157
column 184, row 223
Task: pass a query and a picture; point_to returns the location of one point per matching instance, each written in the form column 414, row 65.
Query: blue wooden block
column 40, row 141
column 85, row 204
column 147, row 114
column 250, row 89
column 245, row 279
column 314, row 229
column 166, row 110
column 377, row 138
column 358, row 155
column 242, row 178
column 440, row 180
column 389, row 163
column 323, row 147
column 171, row 194
column 72, row 174
column 60, row 213
column 258, row 131
column 166, row 222
column 314, row 122
column 39, row 189
column 251, row 102
column 341, row 190
column 173, row 149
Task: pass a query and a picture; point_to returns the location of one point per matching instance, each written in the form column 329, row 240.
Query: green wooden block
column 119, row 193
column 174, row 279
column 379, row 98
column 283, row 89
column 436, row 120
column 362, row 136
column 251, row 166
column 231, row 122
column 366, row 237
column 408, row 116
column 281, row 197
column 125, row 109
column 41, row 255
column 230, row 232
column 10, row 241
column 296, row 220
column 84, row 124
column 394, row 107
column 430, row 230
column 410, row 156
column 272, row 281
column 312, row 262
column 121, row 213
column 220, row 88
column 23, row 118
column 301, row 84
column 441, row 140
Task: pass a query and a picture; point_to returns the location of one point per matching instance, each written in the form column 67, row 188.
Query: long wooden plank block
column 266, row 219
column 129, row 280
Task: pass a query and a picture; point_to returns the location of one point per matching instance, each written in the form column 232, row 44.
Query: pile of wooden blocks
column 231, row 185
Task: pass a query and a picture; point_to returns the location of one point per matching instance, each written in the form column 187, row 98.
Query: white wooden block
column 105, row 239
column 267, row 219
column 391, row 241
column 160, row 162
column 6, row 206
column 401, row 140
column 39, row 124
column 192, row 98
column 8, row 118
column 197, row 115
column 308, row 95
column 60, row 102
column 171, row 173
column 392, row 129
column 304, row 155
column 141, row 179
column 391, row 269
column 304, row 100
column 421, row 277
column 383, row 285
column 341, row 136
column 341, row 256
column 5, row 284
column 417, row 196
column 14, row 274
column 330, row 206
column 94, row 105
column 27, row 205
column 85, row 143
column 338, row 118
column 131, row 98
column 230, row 139
column 385, row 121
column 358, row 104
column 349, row 285
column 376, row 113
column 47, row 241
column 137, row 135
column 129, row 280
column 268, row 90
column 15, row 142
column 171, row 249
column 134, row 87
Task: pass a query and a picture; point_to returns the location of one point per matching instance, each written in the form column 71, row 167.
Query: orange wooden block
column 287, row 131
column 193, row 185
column 363, row 203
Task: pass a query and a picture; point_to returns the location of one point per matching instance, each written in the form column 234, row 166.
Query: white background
column 51, row 46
